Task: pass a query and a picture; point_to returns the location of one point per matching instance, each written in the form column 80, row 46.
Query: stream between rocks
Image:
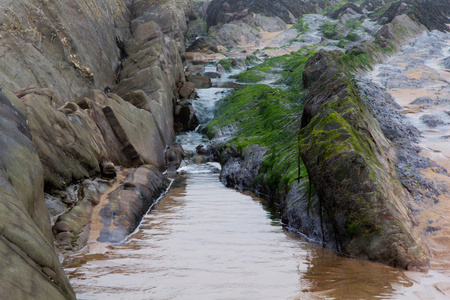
column 205, row 241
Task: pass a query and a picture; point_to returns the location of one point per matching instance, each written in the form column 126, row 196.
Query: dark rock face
column 434, row 14
column 29, row 265
column 185, row 117
column 348, row 161
column 240, row 171
column 174, row 156
column 227, row 11
column 447, row 62
column 432, row 121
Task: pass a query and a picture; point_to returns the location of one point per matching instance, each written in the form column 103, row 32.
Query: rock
column 174, row 156
column 433, row 14
column 220, row 69
column 241, row 171
column 186, row 90
column 57, row 51
column 316, row 68
column 68, row 142
column 200, row 82
column 447, row 62
column 201, row 150
column 347, row 11
column 269, row 24
column 212, row 75
column 200, row 159
column 26, row 246
column 132, row 136
column 196, row 69
column 64, row 236
column 61, row 226
column 108, row 169
column 371, row 5
column 424, row 101
column 431, row 120
column 353, row 175
column 76, row 222
column 399, row 31
column 227, row 11
column 185, row 117
column 130, row 202
column 198, row 44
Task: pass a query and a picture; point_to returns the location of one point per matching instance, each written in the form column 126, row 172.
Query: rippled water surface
column 204, row 241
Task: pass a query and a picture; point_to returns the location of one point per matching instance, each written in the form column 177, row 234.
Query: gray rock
column 174, row 156
column 447, row 62
column 432, row 120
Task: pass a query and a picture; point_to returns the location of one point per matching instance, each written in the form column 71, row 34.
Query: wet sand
column 416, row 72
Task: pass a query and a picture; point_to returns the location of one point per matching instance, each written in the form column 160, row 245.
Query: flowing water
column 204, row 241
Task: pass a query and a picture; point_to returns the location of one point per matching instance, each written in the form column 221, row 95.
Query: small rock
column 447, row 63
column 220, row 68
column 61, row 226
column 432, row 121
column 200, row 159
column 108, row 170
column 186, row 90
column 200, row 81
column 201, row 150
column 195, row 69
column 212, row 75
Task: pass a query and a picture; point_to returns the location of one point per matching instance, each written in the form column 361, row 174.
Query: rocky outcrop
column 174, row 156
column 67, row 48
column 227, row 11
column 60, row 65
column 129, row 202
column 238, row 22
column 29, row 265
column 349, row 161
column 433, row 14
column 399, row 31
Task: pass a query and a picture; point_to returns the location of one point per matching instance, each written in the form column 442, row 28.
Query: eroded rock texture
column 29, row 265
column 226, row 11
column 349, row 161
column 93, row 83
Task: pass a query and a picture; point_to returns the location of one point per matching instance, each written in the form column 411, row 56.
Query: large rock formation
column 226, row 11
column 349, row 161
column 232, row 23
column 61, row 62
column 29, row 265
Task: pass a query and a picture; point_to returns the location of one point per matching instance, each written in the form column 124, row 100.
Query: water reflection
column 203, row 241
column 343, row 278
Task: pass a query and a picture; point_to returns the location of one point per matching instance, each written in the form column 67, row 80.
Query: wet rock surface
column 128, row 203
column 373, row 216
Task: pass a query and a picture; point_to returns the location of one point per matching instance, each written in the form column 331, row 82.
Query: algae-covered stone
column 349, row 161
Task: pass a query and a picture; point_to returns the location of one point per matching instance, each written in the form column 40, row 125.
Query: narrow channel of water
column 204, row 241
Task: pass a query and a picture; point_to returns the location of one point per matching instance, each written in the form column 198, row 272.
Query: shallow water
column 205, row 241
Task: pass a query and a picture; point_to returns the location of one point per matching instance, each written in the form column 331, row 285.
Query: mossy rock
column 348, row 161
